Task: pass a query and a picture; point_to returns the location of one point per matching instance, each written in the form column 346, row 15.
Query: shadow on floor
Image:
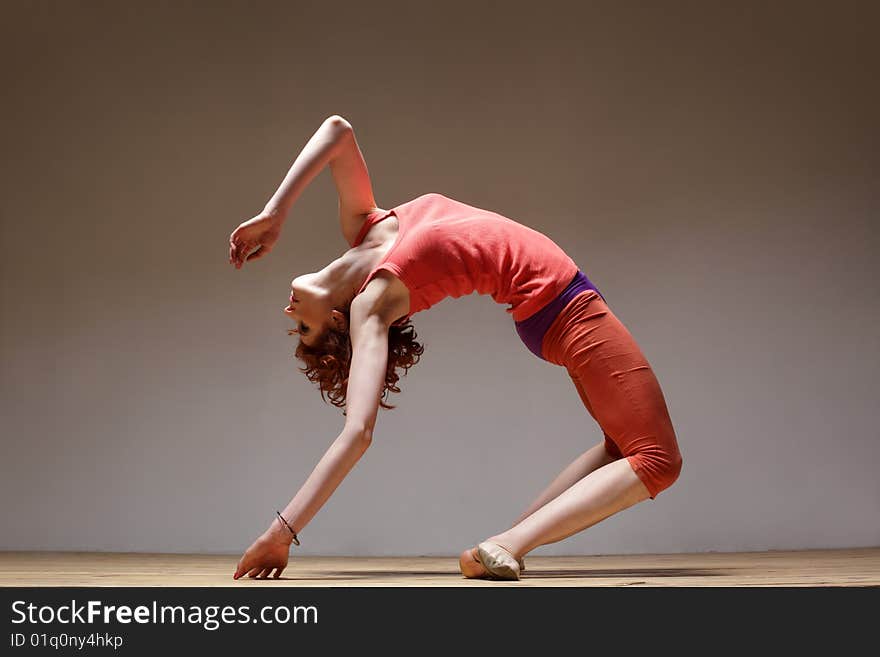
column 625, row 572
column 528, row 574
column 371, row 574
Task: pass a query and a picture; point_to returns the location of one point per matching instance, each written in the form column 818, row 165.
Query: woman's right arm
column 318, row 152
column 333, row 145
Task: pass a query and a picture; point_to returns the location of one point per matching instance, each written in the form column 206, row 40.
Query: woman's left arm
column 369, row 336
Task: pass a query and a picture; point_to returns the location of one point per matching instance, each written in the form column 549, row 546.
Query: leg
column 602, row 493
column 593, row 459
column 611, row 488
column 620, row 390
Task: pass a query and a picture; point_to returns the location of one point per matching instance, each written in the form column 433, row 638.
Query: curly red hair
column 328, row 362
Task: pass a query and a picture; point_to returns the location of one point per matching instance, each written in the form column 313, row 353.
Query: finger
column 278, row 572
column 243, row 252
column 239, row 571
column 259, row 253
column 265, row 573
column 253, row 572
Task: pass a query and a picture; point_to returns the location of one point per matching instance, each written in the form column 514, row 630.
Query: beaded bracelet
column 295, row 539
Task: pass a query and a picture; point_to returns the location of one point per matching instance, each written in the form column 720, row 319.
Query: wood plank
column 851, row 567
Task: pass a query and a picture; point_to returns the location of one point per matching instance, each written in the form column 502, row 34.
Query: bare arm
column 333, row 144
column 369, row 336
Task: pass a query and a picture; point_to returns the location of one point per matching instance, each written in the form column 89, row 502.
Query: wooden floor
column 857, row 567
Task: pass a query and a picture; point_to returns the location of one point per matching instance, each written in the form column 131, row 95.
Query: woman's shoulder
column 430, row 197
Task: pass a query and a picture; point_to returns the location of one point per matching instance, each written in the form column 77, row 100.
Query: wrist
column 279, row 532
column 275, row 213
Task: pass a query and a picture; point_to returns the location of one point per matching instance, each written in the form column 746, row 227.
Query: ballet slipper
column 498, row 561
column 471, row 567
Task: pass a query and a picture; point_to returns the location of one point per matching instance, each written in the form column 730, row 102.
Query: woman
column 353, row 319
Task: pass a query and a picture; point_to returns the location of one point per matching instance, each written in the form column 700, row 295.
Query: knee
column 662, row 467
column 673, row 470
column 670, row 469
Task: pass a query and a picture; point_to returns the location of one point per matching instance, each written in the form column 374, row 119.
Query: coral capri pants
column 618, row 387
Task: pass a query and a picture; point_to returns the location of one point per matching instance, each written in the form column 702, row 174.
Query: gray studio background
column 713, row 170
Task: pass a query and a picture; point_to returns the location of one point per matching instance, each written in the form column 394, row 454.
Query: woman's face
column 309, row 307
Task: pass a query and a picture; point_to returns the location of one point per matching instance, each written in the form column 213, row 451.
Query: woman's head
column 325, row 343
column 313, row 310
column 327, row 360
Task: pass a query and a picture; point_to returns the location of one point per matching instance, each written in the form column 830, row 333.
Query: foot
column 472, row 567
column 498, row 560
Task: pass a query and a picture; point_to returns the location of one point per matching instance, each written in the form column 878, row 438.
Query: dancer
column 353, row 318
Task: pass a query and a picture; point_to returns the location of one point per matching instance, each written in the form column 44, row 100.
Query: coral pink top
column 445, row 248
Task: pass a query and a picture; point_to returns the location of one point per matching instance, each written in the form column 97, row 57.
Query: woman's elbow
column 338, row 123
column 359, row 435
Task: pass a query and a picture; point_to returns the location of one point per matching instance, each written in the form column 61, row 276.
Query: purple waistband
column 532, row 329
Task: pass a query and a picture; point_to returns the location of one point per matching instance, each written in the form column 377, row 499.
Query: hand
column 269, row 552
column 261, row 231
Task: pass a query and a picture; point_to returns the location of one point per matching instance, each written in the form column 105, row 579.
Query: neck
column 341, row 278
